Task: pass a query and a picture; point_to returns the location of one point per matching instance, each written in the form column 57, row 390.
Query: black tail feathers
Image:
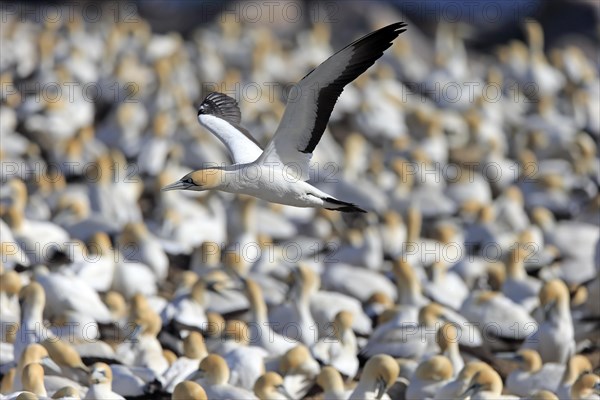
column 338, row 205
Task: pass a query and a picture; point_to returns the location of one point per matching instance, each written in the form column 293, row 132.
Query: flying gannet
column 279, row 172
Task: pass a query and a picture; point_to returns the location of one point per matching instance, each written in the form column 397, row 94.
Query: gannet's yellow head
column 586, row 385
column 437, row 368
column 529, row 360
column 202, row 179
column 484, row 380
column 330, row 379
column 381, row 370
column 188, row 390
column 214, row 368
column 194, row 346
column 270, row 385
column 101, row 374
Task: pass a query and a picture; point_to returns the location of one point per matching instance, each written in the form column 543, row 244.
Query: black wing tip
column 215, row 99
column 396, row 26
column 394, row 30
column 351, row 208
column 368, row 48
column 222, row 106
column 216, row 96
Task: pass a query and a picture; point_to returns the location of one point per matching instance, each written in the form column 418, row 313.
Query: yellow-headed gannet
column 279, row 173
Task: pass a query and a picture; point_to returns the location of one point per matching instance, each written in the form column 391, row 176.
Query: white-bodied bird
column 279, row 173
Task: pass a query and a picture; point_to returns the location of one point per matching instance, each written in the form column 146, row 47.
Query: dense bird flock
column 474, row 274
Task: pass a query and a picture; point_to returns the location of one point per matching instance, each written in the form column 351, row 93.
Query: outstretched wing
column 311, row 101
column 221, row 115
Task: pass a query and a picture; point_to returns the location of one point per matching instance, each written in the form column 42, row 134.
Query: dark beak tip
column 168, row 188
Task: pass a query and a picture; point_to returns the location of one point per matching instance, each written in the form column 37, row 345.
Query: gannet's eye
column 189, row 181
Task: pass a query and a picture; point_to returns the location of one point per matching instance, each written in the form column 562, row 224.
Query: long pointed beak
column 281, row 389
column 381, row 386
column 49, row 365
column 470, row 390
column 548, row 309
column 223, row 288
column 234, row 273
column 291, row 294
column 176, row 186
column 96, row 377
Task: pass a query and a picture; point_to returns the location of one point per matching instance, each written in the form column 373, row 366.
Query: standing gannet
column 270, row 387
column 447, row 338
column 331, row 381
column 295, row 319
column 576, row 366
column 213, row 375
column 430, row 376
column 531, row 375
column 379, row 374
column 30, row 329
column 279, row 173
column 246, row 363
column 298, row 369
column 145, row 351
column 458, row 386
column 261, row 331
column 101, row 383
column 554, row 338
column 10, row 309
column 486, row 384
column 194, row 351
column 340, row 347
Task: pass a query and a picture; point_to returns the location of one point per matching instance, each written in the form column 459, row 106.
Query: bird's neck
column 33, row 313
column 234, row 178
column 563, row 311
column 516, row 270
column 38, row 388
column 365, row 390
column 410, row 294
column 452, row 351
column 259, row 311
column 101, row 391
